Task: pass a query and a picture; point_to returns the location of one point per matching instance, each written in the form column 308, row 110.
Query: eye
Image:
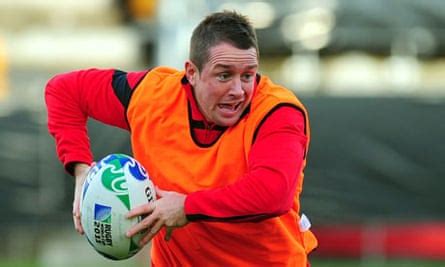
column 247, row 77
column 224, row 76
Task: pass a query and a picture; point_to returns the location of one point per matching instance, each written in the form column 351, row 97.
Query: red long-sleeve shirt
column 275, row 160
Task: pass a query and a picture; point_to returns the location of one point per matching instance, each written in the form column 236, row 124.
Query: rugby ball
column 115, row 185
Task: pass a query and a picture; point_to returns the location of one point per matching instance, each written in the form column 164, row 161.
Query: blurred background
column 371, row 73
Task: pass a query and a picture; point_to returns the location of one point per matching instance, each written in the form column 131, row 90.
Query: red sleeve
column 73, row 97
column 268, row 187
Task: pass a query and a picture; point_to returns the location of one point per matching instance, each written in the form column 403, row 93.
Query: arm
column 268, row 188
column 80, row 174
column 73, row 97
column 265, row 191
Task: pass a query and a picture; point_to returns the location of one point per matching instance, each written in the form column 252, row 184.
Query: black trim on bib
column 271, row 111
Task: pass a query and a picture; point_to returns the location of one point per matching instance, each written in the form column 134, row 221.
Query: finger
column 168, row 233
column 153, row 231
column 146, row 223
column 144, row 209
column 77, row 224
column 76, row 221
column 76, row 218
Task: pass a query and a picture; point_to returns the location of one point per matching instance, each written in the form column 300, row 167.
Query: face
column 224, row 86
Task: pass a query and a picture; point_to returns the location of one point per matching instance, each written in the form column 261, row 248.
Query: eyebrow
column 224, row 66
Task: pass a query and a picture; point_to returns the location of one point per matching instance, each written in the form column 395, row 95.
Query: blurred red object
column 407, row 240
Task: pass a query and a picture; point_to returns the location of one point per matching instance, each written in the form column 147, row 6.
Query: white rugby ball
column 115, row 185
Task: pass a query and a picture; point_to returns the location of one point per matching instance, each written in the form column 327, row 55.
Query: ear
column 191, row 71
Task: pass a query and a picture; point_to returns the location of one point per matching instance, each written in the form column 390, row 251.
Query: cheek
column 205, row 97
column 214, row 92
column 249, row 90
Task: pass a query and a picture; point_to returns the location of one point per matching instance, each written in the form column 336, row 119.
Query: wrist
column 80, row 170
column 188, row 207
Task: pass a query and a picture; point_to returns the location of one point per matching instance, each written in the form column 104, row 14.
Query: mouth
column 230, row 107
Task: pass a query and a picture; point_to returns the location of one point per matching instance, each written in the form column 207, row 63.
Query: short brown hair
column 225, row 26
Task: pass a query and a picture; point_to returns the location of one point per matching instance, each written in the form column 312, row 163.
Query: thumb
column 168, row 234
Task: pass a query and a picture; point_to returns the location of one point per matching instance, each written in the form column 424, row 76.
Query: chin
column 228, row 122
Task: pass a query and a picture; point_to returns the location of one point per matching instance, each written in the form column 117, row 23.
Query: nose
column 236, row 88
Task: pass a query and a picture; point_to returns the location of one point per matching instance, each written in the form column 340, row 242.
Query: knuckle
column 146, row 223
column 154, row 230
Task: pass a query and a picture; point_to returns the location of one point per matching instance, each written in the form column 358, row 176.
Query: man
column 225, row 146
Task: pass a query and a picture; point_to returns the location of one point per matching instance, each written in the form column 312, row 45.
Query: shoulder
column 163, row 71
column 269, row 96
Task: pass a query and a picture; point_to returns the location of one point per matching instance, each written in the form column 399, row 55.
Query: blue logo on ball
column 102, row 213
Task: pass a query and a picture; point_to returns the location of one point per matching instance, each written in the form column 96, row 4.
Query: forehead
column 225, row 54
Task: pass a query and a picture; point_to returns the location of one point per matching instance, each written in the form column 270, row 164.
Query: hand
column 167, row 210
column 80, row 174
